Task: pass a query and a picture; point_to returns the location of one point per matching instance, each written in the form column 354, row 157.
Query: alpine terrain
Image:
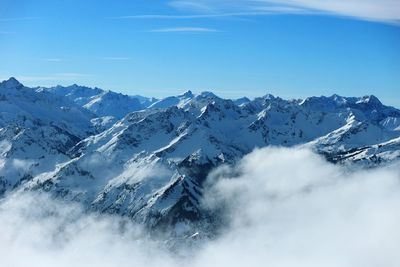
column 148, row 159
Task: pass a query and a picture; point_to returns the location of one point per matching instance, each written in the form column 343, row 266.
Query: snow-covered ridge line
column 148, row 159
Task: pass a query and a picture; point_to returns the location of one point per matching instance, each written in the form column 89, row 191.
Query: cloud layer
column 386, row 10
column 282, row 207
column 185, row 30
column 288, row 207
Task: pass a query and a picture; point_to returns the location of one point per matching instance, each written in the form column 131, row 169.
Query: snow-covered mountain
column 151, row 164
column 37, row 128
column 102, row 103
column 172, row 100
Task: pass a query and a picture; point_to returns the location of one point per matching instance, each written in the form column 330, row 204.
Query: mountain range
column 147, row 159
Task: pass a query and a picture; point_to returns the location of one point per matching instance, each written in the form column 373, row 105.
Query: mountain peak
column 11, row 83
column 241, row 101
column 150, row 163
column 269, row 97
column 208, row 94
column 187, row 94
column 370, row 100
column 341, row 100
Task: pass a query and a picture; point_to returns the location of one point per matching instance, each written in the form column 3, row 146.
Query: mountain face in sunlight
column 148, row 159
column 282, row 149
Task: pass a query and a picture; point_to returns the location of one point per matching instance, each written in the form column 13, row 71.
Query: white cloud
column 206, row 16
column 116, row 58
column 71, row 74
column 38, row 231
column 385, row 10
column 285, row 207
column 51, row 59
column 37, row 78
column 288, row 207
column 186, row 30
column 18, row 19
column 155, row 16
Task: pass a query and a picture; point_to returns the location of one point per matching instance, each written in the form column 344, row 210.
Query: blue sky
column 290, row 48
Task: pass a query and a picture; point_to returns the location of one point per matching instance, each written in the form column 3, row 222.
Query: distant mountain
column 151, row 164
column 145, row 101
column 100, row 102
column 172, row 100
column 241, row 101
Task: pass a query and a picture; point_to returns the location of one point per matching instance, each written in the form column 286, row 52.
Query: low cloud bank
column 289, row 207
column 285, row 207
column 39, row 231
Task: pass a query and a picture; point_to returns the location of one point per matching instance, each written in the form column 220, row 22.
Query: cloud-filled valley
column 93, row 177
column 200, row 133
column 281, row 207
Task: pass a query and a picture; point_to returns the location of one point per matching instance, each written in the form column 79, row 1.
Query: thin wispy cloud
column 384, row 10
column 72, row 75
column 36, row 78
column 235, row 8
column 263, row 12
column 116, row 58
column 51, row 59
column 17, row 19
column 166, row 17
column 186, row 30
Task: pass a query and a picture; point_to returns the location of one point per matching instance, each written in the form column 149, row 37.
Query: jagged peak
column 208, row 94
column 241, row 101
column 369, row 99
column 11, row 83
column 111, row 94
column 265, row 98
column 187, row 94
column 269, row 97
column 311, row 99
column 320, row 101
column 244, row 98
column 76, row 89
column 338, row 98
column 82, row 87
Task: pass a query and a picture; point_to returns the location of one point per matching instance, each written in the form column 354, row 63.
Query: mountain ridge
column 150, row 164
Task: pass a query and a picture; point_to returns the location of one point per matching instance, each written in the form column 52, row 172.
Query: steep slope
column 101, row 103
column 81, row 95
column 172, row 100
column 145, row 101
column 36, row 130
column 369, row 155
column 113, row 104
column 151, row 165
column 241, row 101
column 369, row 124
